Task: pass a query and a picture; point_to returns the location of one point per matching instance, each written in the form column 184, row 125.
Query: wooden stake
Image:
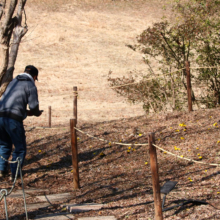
column 49, row 116
column 75, row 103
column 189, row 88
column 155, row 177
column 74, row 154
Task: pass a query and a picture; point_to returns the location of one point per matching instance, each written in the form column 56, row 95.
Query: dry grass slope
column 76, row 44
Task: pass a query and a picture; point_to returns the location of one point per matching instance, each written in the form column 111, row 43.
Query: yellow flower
column 197, row 148
column 177, row 130
column 189, row 150
column 164, row 152
column 129, row 148
column 170, row 127
column 158, row 139
column 133, row 149
column 198, row 154
column 218, row 192
column 205, row 170
column 119, row 140
column 181, row 156
column 109, row 143
column 182, row 138
column 182, row 125
column 128, row 151
column 215, row 124
column 77, row 138
column 39, row 151
column 190, row 180
column 184, row 130
column 176, row 148
column 218, row 142
column 140, row 134
column 146, row 163
column 101, row 154
column 210, row 116
column 71, row 171
column 208, row 128
column 200, row 157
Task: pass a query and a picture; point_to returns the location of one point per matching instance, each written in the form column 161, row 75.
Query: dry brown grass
column 121, row 180
column 77, row 44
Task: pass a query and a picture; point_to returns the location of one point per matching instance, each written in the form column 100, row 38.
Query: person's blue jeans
column 11, row 132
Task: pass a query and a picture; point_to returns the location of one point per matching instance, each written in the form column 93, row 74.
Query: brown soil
column 76, row 44
column 119, row 176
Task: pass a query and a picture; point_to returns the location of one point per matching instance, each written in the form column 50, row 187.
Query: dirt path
column 78, row 46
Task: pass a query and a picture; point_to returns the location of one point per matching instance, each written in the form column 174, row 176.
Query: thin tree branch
column 2, row 7
column 9, row 15
column 174, row 55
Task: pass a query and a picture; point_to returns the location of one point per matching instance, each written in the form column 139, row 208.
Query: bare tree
column 11, row 12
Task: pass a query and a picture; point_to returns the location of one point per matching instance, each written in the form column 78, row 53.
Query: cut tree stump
column 55, row 197
column 35, row 206
column 82, row 207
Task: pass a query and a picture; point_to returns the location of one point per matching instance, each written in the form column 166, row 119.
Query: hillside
column 76, row 43
column 119, row 176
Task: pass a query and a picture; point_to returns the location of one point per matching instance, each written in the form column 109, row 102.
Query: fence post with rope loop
column 74, row 153
column 4, row 193
column 155, row 177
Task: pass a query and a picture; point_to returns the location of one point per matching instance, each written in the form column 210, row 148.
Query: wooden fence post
column 155, row 177
column 189, row 88
column 74, row 154
column 49, row 116
column 75, row 103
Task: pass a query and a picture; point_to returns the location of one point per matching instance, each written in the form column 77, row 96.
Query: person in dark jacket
column 20, row 92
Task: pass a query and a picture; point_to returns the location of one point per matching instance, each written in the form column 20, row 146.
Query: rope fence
column 184, row 158
column 161, row 76
column 130, row 144
column 126, row 144
column 107, row 141
column 4, row 192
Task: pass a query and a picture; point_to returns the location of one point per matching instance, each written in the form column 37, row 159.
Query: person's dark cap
column 31, row 70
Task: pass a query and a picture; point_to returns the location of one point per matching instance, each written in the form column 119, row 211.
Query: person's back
column 20, row 92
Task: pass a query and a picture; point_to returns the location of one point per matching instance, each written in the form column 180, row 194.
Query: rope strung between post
column 42, row 128
column 75, row 93
column 7, row 194
column 15, row 161
column 184, row 158
column 107, row 141
column 4, row 193
column 160, row 76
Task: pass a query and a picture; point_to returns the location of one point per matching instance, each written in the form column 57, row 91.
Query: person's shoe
column 3, row 174
column 12, row 177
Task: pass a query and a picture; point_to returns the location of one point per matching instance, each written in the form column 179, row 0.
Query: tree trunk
column 9, row 26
